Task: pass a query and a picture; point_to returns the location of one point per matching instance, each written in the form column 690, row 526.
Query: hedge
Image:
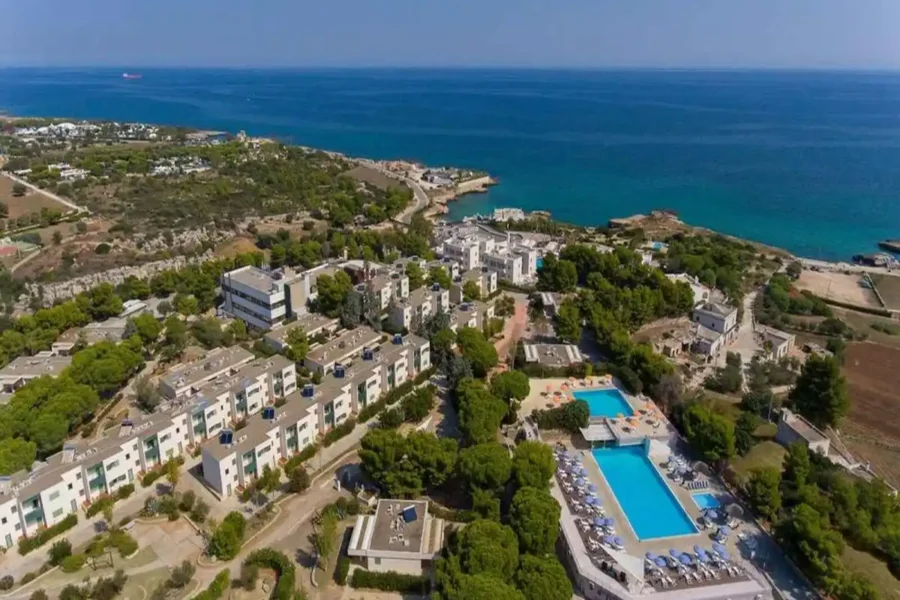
column 28, row 544
column 391, row 581
column 393, row 396
column 342, row 570
column 217, row 588
column 73, row 563
column 338, row 432
column 283, row 567
column 125, row 491
column 151, row 477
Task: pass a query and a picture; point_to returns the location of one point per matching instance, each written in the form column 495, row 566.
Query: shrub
column 124, row 491
column 298, row 480
column 338, row 432
column 249, row 575
column 150, row 478
column 103, row 248
column 282, row 565
column 73, row 563
column 200, row 511
column 217, row 588
column 98, row 506
column 182, row 574
column 226, row 541
column 58, row 551
column 124, row 543
column 6, row 582
column 187, row 501
column 342, row 570
column 124, row 521
column 39, row 595
column 26, row 545
column 28, row 578
column 391, row 581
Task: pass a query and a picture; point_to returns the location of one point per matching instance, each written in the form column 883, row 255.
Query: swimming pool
column 539, row 263
column 608, row 402
column 649, row 505
column 706, row 500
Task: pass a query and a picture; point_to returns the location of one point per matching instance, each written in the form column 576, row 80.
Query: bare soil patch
column 873, row 377
column 234, row 246
column 31, row 202
column 838, row 287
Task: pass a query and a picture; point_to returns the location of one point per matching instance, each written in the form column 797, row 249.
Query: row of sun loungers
column 697, row 484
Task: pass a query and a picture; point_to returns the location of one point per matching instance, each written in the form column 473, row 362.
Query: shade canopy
column 725, row 530
column 685, row 559
column 583, row 472
column 592, row 487
column 660, row 561
column 718, row 548
column 618, row 541
column 651, row 556
column 674, row 553
column 598, row 521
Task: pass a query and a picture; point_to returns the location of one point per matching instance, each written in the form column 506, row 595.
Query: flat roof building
column 553, row 355
column 401, row 536
column 340, row 349
column 189, row 378
column 310, row 323
column 26, row 368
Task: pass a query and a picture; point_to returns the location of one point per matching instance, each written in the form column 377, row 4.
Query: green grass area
column 874, row 570
column 764, row 454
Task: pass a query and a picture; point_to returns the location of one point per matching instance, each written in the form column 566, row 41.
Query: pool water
column 707, row 501
column 607, row 402
column 649, row 505
column 539, row 263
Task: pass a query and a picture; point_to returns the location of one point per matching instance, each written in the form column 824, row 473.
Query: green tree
column 743, row 433
column 227, row 538
column 533, row 465
column 147, row 327
column 104, row 303
column 534, row 517
column 568, row 322
column 480, row 412
column 173, row 474
column 298, row 480
column 820, row 393
column 298, row 344
column 186, row 304
column 471, row 291
column 17, row 454
column 325, row 538
column 480, row 353
column 805, row 535
column 415, row 274
column 484, row 586
column 332, row 292
column 487, row 547
column 763, row 492
column 575, row 416
column 797, row 469
column 710, row 434
column 57, row 238
column 19, row 189
column 440, row 276
column 510, row 385
column 543, row 579
column 58, row 551
column 485, row 466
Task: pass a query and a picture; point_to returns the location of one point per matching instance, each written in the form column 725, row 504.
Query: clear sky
column 539, row 33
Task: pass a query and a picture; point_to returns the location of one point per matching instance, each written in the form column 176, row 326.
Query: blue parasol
column 701, row 557
column 592, row 488
column 598, row 521
column 674, row 553
column 685, row 559
column 718, row 548
column 607, row 539
column 582, row 471
column 699, row 550
column 566, row 454
column 651, row 556
column 618, row 541
column 660, row 561
column 589, row 500
column 712, row 514
column 610, row 521
column 725, row 530
column 724, row 554
column 579, row 481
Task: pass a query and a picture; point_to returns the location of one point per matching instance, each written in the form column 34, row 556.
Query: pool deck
column 636, row 549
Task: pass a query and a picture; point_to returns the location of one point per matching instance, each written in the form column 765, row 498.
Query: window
column 227, row 471
column 177, row 430
column 137, row 463
column 3, row 521
column 112, row 465
column 70, row 486
column 134, row 447
column 54, row 496
column 58, row 512
column 128, row 457
column 377, row 561
column 18, row 527
column 78, row 476
column 13, row 511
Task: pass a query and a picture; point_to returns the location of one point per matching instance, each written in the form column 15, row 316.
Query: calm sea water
column 806, row 161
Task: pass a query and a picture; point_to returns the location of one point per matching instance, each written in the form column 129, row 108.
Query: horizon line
column 559, row 68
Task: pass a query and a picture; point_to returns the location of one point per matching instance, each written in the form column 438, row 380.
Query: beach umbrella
column 724, row 554
column 566, row 454
column 598, row 501
column 583, row 472
column 660, row 561
column 702, row 558
column 712, row 514
column 609, row 522
column 651, row 556
column 617, row 541
column 718, row 548
column 589, row 500
column 592, row 487
column 685, row 559
column 725, row 530
column 579, row 482
column 674, row 553
column 598, row 521
column 699, row 550
column 607, row 539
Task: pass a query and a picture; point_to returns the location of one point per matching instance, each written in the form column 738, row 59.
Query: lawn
column 874, row 570
column 764, row 454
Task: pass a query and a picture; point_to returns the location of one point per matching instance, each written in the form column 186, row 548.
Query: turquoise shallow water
column 807, row 161
column 651, row 508
column 605, row 403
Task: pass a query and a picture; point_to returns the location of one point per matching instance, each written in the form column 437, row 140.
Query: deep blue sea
column 809, row 161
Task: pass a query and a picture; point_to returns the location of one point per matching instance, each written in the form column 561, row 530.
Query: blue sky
column 529, row 33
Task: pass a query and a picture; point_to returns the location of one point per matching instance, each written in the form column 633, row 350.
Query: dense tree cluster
column 715, row 260
column 480, row 411
column 780, row 300
column 820, row 394
column 619, row 295
column 406, row 466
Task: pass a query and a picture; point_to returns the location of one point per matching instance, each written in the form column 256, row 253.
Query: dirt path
column 513, row 329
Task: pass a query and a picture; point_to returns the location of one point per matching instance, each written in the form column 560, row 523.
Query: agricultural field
column 32, row 202
column 889, row 288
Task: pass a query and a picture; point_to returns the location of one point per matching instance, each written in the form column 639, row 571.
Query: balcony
column 35, row 516
column 98, row 483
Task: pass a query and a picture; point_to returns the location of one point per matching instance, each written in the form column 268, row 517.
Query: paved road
column 420, row 201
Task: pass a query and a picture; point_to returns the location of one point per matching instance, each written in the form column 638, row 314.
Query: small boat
column 131, row 75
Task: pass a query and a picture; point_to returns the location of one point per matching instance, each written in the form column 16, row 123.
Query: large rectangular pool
column 650, row 506
column 607, row 402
